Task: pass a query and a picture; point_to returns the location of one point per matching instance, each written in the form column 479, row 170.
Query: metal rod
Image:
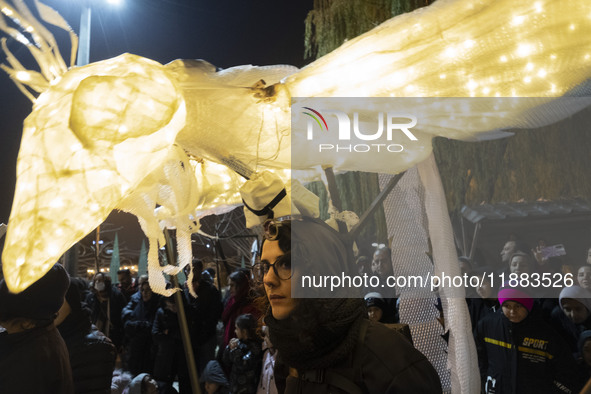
column 97, row 249
column 474, row 241
column 375, row 204
column 464, row 239
column 84, row 42
column 178, row 298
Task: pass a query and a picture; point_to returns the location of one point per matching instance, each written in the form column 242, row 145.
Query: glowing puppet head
column 90, row 140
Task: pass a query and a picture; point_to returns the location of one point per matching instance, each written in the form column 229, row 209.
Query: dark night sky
column 224, row 32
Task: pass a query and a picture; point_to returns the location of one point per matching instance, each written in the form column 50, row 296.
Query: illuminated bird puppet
column 131, row 134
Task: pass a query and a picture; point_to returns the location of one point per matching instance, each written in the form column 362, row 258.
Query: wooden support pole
column 178, row 298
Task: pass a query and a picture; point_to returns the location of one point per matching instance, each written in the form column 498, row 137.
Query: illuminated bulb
column 538, row 7
column 486, row 90
column 23, row 76
column 542, row 73
column 398, row 78
column 553, row 57
column 76, row 147
column 7, row 11
column 553, row 90
column 123, row 129
column 56, row 203
column 20, row 261
column 587, row 56
column 469, row 43
column 409, row 88
column 572, row 26
column 52, row 249
column 59, row 232
column 529, row 67
column 524, row 50
column 442, row 76
column 472, row 85
column 504, row 59
column 29, row 29
column 518, row 20
column 450, row 52
column 94, row 207
column 527, row 79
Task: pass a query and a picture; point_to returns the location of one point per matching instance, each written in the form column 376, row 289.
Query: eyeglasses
column 271, row 229
column 281, row 268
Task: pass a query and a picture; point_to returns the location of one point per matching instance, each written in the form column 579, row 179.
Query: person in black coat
column 138, row 318
column 92, row 354
column 203, row 313
column 106, row 304
column 33, row 355
column 518, row 352
column 170, row 356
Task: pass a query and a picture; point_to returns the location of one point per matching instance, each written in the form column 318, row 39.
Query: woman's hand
column 233, row 343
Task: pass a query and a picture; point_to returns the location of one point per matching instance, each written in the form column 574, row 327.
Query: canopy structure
column 167, row 142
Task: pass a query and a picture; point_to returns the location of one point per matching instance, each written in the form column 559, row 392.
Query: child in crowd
column 143, row 383
column 214, row 379
column 267, row 383
column 572, row 315
column 375, row 305
column 244, row 355
column 584, row 277
column 520, row 353
column 485, row 302
column 584, row 356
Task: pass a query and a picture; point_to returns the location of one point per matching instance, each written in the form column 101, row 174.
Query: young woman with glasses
column 327, row 343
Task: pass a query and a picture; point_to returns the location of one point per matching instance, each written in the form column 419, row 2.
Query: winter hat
column 577, row 293
column 517, row 294
column 135, row 387
column 374, row 299
column 213, row 373
column 40, row 301
column 120, row 381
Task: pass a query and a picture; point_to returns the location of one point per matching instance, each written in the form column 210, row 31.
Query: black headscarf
column 320, row 331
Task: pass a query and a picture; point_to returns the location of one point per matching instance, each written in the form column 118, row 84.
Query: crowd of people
column 77, row 336
column 530, row 335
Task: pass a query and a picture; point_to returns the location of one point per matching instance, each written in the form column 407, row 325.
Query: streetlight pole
column 84, row 42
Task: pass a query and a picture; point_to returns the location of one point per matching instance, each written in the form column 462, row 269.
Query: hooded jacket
column 524, row 357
